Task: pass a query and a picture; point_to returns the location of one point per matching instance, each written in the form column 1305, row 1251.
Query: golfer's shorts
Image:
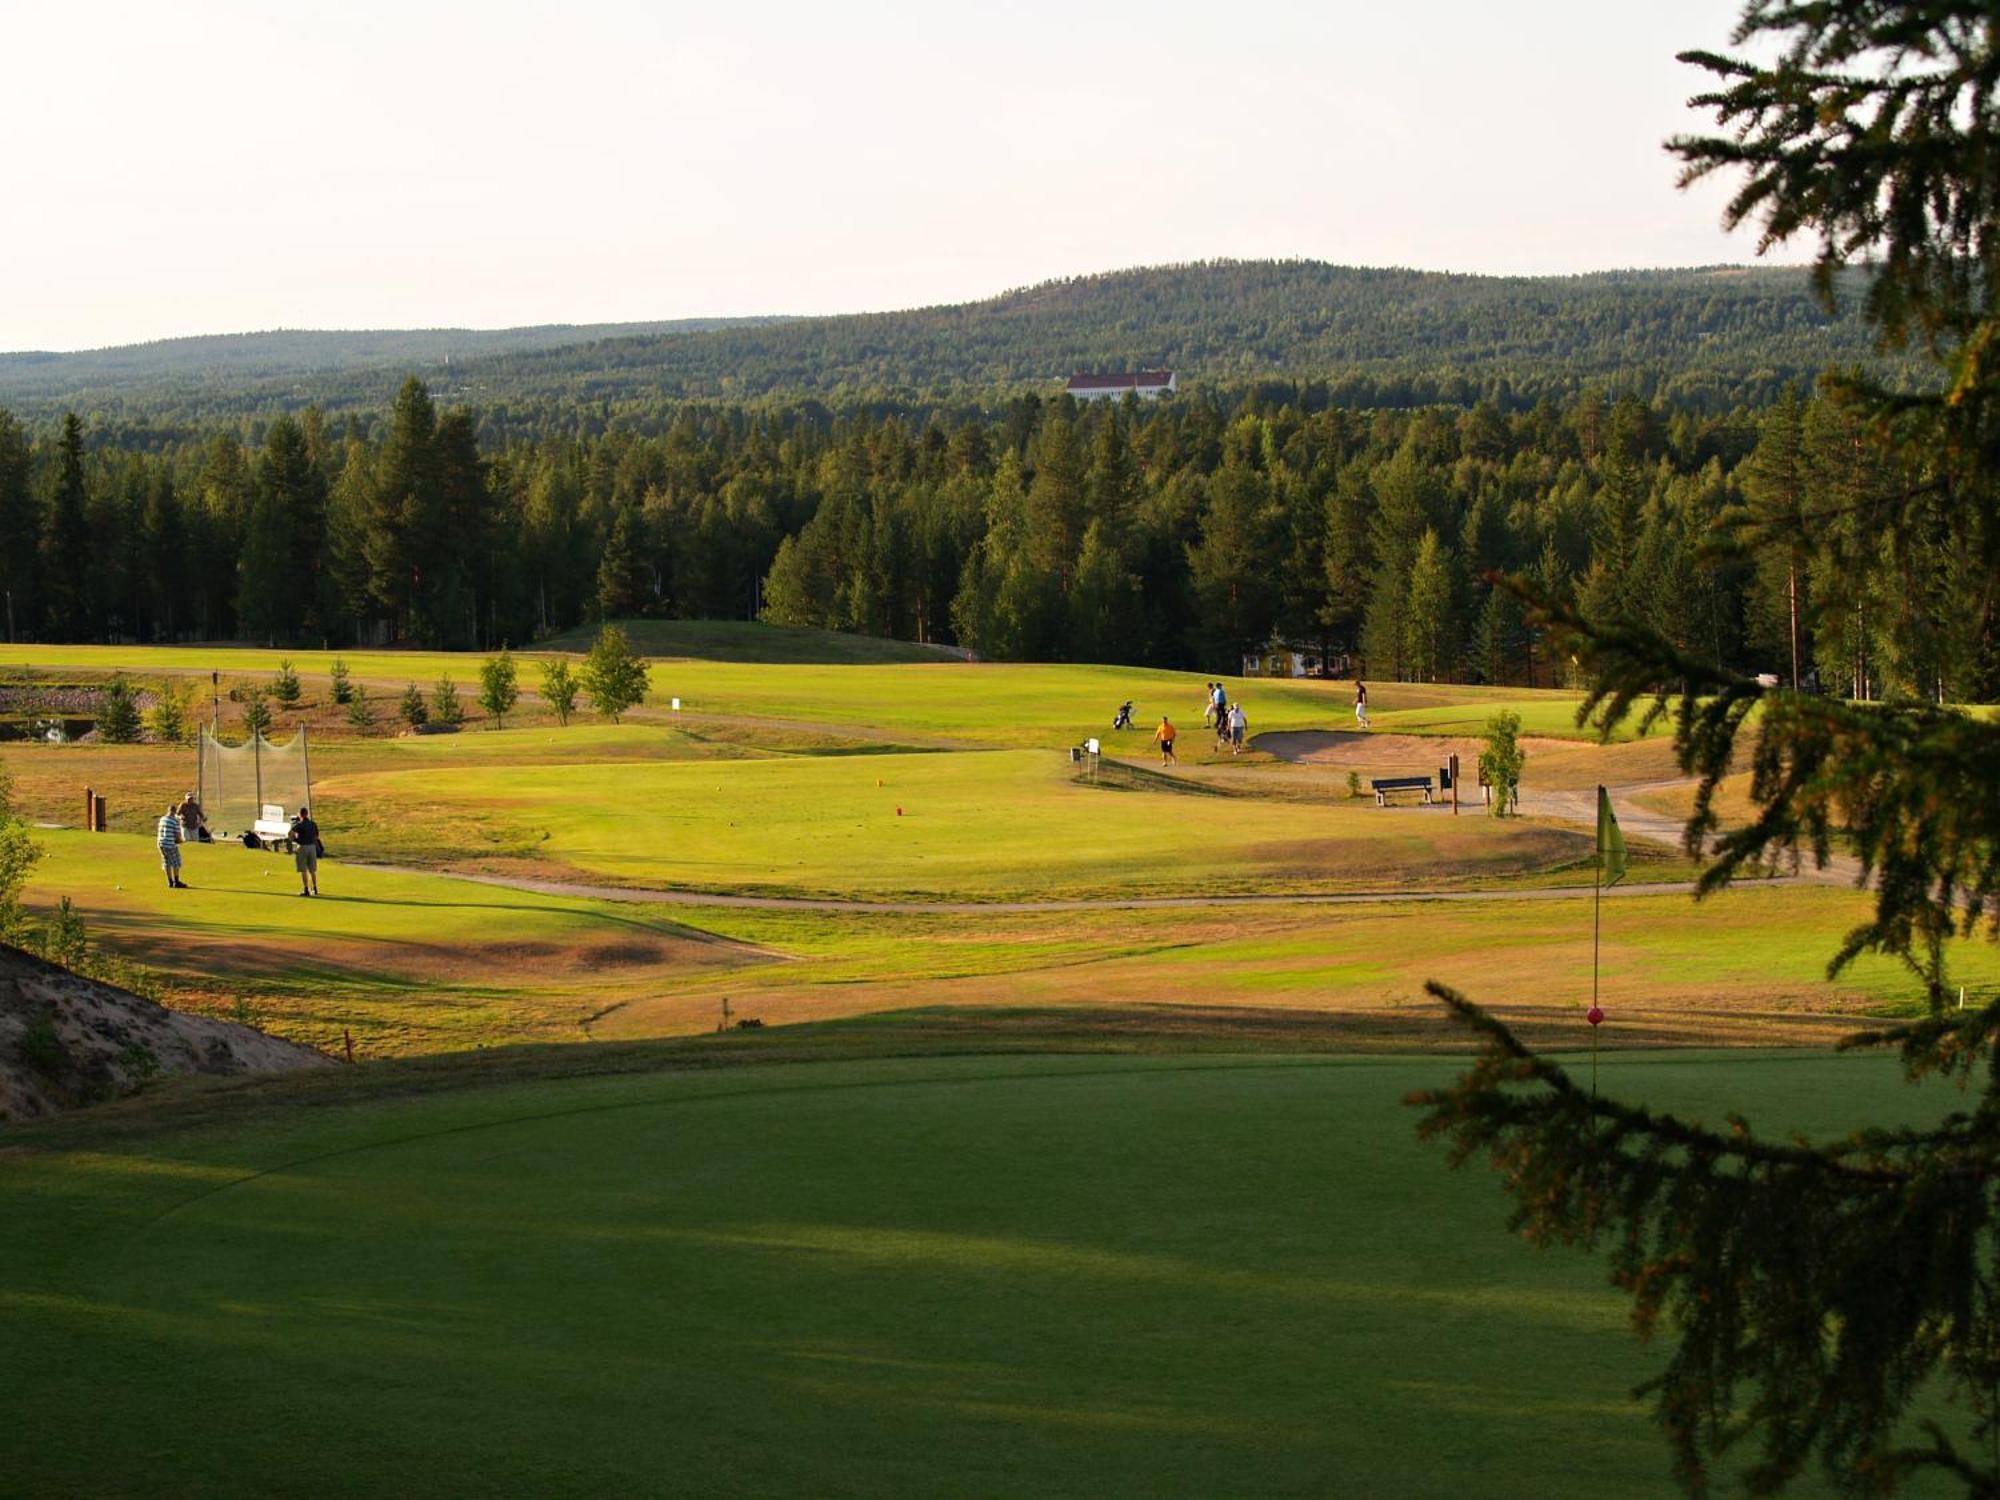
column 306, row 857
column 170, row 859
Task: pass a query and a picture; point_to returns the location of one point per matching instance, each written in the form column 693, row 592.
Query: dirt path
column 1343, row 750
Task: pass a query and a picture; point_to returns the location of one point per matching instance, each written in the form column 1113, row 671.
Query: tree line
column 1182, row 534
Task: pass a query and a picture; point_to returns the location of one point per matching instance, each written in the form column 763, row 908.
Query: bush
column 1500, row 763
column 342, row 686
column 42, row 1047
column 614, row 678
column 360, row 712
column 498, row 686
column 415, row 713
column 1354, row 783
column 559, row 689
column 286, row 688
column 172, row 715
column 445, row 707
column 118, row 714
column 256, row 712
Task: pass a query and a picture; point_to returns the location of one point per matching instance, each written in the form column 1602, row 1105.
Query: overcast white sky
column 214, row 167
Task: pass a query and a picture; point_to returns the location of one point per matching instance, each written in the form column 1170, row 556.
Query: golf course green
column 1199, row 1274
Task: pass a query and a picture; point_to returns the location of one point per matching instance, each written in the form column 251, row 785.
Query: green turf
column 1188, row 1276
column 972, row 826
column 986, row 703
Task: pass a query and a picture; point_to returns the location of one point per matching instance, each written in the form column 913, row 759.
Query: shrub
column 445, row 707
column 498, row 686
column 614, row 678
column 1501, row 761
column 172, row 716
column 559, row 689
column 342, row 685
column 256, row 712
column 360, row 712
column 413, row 709
column 286, row 687
column 42, row 1047
column 118, row 714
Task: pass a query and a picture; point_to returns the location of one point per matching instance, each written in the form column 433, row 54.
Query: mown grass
column 1062, row 1275
column 968, row 826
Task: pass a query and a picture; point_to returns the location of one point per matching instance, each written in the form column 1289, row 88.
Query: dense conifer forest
column 1302, row 331
column 1181, row 534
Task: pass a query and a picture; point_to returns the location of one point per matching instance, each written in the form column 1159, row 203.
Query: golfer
column 170, row 848
column 189, row 812
column 1237, row 724
column 1165, row 735
column 1361, row 703
column 305, row 851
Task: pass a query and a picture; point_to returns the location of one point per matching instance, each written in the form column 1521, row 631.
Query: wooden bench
column 1384, row 785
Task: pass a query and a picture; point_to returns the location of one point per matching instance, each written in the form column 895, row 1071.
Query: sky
column 219, row 167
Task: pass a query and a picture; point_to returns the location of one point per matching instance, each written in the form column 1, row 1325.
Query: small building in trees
column 1147, row 385
column 1294, row 659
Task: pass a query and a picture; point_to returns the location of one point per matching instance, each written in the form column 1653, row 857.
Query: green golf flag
column 1610, row 842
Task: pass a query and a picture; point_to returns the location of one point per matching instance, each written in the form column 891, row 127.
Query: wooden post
column 100, row 822
column 89, row 810
column 1454, row 783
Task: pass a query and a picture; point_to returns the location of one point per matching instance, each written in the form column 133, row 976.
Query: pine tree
column 286, row 687
column 445, row 707
column 339, row 684
column 118, row 714
column 1429, row 651
column 172, row 716
column 20, row 529
column 611, row 675
column 415, row 712
column 360, row 712
column 1835, row 1301
column 498, row 687
column 256, row 712
column 624, row 578
column 66, row 544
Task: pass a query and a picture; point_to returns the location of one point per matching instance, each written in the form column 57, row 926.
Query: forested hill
column 289, row 367
column 1712, row 337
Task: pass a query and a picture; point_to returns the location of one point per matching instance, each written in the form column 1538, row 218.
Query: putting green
column 1188, row 1276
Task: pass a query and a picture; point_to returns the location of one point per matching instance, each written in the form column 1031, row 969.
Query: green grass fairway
column 1077, row 1276
column 983, row 703
column 971, row 826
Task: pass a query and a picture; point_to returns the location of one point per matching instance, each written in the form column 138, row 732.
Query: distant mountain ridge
column 1714, row 335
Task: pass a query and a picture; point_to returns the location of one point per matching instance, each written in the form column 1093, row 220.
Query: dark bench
column 1384, row 785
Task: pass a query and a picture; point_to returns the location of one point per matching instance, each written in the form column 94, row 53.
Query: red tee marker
column 1594, row 1015
column 899, row 812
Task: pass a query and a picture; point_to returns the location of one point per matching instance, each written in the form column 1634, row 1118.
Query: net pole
column 257, row 760
column 305, row 749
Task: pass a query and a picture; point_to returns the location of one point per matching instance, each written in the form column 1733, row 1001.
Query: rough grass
column 1064, row 1275
column 407, row 963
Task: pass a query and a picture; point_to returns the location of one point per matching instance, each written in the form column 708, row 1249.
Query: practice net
column 235, row 783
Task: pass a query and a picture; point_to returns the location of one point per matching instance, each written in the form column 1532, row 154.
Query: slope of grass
column 1163, row 1275
column 752, row 641
column 408, row 963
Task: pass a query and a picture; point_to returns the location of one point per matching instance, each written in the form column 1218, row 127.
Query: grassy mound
column 1062, row 1275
